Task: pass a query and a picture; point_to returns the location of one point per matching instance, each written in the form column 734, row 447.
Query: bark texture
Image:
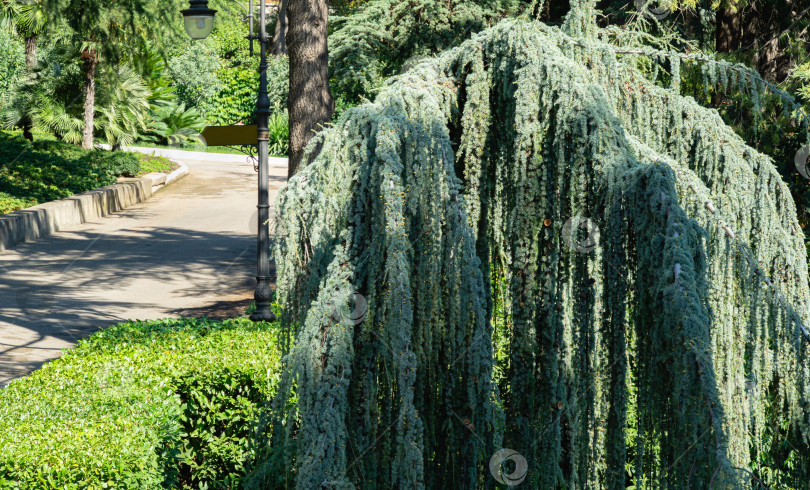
column 761, row 32
column 310, row 104
column 728, row 31
column 90, row 64
column 280, row 37
column 31, row 52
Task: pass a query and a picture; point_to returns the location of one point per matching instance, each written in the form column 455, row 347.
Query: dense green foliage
column 152, row 163
column 278, row 127
column 169, row 403
column 12, row 62
column 239, row 78
column 219, row 78
column 174, row 124
column 9, row 203
column 33, row 173
column 44, row 171
column 667, row 352
column 194, row 73
column 52, row 99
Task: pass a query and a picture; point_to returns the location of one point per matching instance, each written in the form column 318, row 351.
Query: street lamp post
column 199, row 21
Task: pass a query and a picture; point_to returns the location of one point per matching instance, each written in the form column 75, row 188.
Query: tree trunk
column 31, row 52
column 310, row 104
column 280, row 37
column 728, row 32
column 90, row 63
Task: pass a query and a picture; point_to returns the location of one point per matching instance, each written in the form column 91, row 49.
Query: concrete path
column 189, row 247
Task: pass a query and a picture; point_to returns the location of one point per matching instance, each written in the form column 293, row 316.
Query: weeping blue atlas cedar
column 665, row 356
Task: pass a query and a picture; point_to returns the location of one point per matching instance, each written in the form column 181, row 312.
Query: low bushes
column 169, row 403
column 42, row 171
column 45, row 171
column 9, row 203
column 278, row 126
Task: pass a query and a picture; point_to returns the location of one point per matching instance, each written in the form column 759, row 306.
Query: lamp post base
column 262, row 296
column 263, row 314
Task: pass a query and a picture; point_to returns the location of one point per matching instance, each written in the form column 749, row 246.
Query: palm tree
column 52, row 100
column 29, row 20
column 110, row 30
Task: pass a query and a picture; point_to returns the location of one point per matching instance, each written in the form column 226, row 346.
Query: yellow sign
column 230, row 135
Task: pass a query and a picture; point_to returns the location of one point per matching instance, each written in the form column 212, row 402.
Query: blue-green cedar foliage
column 661, row 357
column 378, row 40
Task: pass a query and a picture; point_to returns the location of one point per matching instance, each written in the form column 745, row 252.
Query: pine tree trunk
column 280, row 37
column 90, row 64
column 31, row 52
column 310, row 104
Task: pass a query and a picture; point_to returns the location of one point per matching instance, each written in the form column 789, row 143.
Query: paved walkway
column 189, row 247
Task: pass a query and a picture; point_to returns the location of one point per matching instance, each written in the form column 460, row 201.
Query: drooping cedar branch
column 444, row 203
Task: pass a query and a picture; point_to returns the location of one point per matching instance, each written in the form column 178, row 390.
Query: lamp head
column 198, row 19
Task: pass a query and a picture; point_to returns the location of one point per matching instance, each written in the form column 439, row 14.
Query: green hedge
column 163, row 404
column 44, row 171
column 9, row 203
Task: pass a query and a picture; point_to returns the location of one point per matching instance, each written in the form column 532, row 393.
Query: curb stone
column 44, row 219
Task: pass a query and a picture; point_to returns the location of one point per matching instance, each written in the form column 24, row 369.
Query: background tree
column 380, row 36
column 109, row 31
column 280, row 35
column 12, row 62
column 29, row 20
column 310, row 102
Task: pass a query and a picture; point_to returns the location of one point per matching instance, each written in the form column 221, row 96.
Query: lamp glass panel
column 199, row 26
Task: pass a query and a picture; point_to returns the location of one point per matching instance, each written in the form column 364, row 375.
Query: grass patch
column 201, row 148
column 168, row 403
column 152, row 163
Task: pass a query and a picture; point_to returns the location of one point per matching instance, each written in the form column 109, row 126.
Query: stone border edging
column 47, row 218
column 199, row 155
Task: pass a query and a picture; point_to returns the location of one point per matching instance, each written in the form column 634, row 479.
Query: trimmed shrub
column 168, row 403
column 194, row 73
column 120, row 163
column 43, row 171
column 219, row 410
